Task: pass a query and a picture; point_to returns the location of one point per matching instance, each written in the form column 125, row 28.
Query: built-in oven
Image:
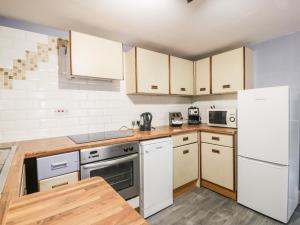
column 117, row 164
column 222, row 117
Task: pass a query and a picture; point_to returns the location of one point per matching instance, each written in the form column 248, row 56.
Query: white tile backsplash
column 28, row 110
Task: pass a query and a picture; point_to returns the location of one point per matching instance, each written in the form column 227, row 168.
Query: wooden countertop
column 91, row 201
column 50, row 146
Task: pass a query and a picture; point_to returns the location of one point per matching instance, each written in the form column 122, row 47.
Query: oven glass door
column 119, row 176
column 218, row 117
column 121, row 173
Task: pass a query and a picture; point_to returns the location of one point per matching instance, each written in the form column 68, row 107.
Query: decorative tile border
column 31, row 61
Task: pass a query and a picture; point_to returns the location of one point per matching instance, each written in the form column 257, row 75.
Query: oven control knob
column 232, row 119
column 125, row 149
column 131, row 149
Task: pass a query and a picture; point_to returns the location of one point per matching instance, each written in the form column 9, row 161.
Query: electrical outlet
column 61, row 111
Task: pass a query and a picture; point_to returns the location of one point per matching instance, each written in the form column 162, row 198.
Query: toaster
column 175, row 119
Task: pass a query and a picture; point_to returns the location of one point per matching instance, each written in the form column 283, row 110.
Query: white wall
column 219, row 101
column 28, row 110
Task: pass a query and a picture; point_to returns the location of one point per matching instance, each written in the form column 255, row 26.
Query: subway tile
column 27, row 124
column 7, row 125
column 5, row 42
column 12, row 33
column 24, row 85
column 36, row 37
column 27, row 104
column 7, row 104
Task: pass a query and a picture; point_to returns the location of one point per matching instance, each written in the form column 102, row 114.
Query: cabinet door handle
column 215, row 151
column 202, row 89
column 60, row 165
column 58, row 185
column 215, row 138
column 185, row 138
column 154, row 87
column 226, row 86
column 182, row 89
column 185, row 152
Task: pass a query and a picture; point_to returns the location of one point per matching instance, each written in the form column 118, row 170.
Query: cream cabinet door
column 217, row 165
column 185, row 163
column 202, row 76
column 152, row 72
column 92, row 56
column 181, row 76
column 58, row 181
column 228, row 71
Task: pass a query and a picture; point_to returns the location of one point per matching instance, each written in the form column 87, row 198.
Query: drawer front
column 58, row 181
column 184, row 139
column 185, row 163
column 218, row 139
column 56, row 165
column 217, row 165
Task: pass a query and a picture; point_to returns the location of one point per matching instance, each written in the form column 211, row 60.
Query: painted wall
column 276, row 63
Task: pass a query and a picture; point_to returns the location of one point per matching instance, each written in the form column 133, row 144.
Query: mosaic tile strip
column 31, row 61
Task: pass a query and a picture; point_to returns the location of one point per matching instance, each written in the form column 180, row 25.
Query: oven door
column 121, row 173
column 217, row 117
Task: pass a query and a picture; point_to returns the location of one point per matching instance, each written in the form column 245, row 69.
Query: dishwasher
column 156, row 182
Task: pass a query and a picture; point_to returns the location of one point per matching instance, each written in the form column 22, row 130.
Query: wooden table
column 90, row 201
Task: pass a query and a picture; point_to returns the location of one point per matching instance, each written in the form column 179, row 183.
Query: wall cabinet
column 91, row 56
column 202, row 76
column 181, row 76
column 149, row 72
column 231, row 71
column 185, row 161
column 146, row 72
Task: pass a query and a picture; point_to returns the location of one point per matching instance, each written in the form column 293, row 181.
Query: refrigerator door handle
column 261, row 162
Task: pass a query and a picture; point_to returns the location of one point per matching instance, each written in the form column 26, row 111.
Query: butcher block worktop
column 50, row 146
column 90, row 201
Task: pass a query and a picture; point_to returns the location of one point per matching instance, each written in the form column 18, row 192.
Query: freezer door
column 263, row 124
column 263, row 187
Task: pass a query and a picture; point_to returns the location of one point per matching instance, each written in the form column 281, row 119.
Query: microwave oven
column 222, row 118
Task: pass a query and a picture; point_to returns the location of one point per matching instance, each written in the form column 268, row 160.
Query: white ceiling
column 170, row 26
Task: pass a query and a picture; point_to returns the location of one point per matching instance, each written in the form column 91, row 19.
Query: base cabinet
column 58, row 181
column 217, row 164
column 185, row 164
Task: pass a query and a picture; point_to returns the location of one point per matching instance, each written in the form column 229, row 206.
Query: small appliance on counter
column 222, row 117
column 194, row 116
column 145, row 121
column 175, row 119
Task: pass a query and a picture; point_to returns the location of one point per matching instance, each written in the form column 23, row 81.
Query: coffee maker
column 145, row 121
column 194, row 116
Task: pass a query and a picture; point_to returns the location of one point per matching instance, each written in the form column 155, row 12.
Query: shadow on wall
column 213, row 97
column 160, row 100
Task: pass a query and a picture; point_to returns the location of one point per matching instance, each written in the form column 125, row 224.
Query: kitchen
column 85, row 100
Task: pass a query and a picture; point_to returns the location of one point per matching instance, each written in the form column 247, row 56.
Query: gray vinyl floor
column 204, row 207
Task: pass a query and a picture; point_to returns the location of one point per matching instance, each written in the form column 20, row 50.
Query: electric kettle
column 145, row 121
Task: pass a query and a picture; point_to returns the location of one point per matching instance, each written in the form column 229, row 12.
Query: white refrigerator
column 268, row 151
